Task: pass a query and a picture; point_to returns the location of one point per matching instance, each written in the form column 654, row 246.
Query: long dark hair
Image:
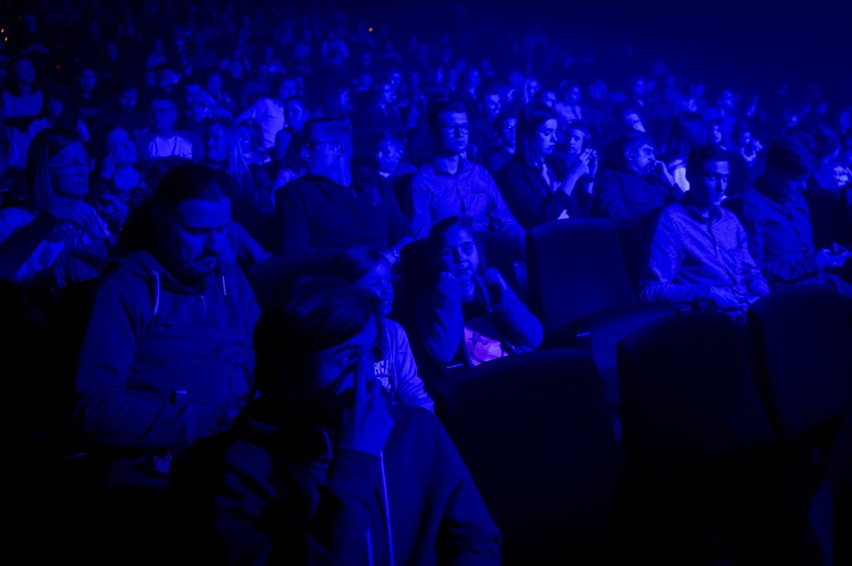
column 531, row 117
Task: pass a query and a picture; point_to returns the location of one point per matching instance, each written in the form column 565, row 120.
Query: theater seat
column 533, row 430
column 579, row 288
column 703, row 461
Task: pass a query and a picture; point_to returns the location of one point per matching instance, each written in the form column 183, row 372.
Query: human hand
column 367, row 424
column 829, row 258
column 495, row 283
column 661, row 169
column 448, row 286
column 80, row 213
column 726, row 298
column 108, row 165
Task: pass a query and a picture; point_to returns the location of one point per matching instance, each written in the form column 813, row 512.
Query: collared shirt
column 690, row 253
column 471, row 190
column 779, row 235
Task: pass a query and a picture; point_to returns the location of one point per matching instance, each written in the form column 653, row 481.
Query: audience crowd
column 153, row 157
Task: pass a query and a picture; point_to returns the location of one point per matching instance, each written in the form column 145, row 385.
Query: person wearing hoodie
column 166, row 358
column 322, row 468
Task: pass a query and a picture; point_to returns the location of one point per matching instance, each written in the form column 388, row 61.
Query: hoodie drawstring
column 386, row 505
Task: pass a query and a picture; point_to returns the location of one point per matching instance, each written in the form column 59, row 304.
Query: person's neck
column 26, row 88
column 450, row 164
column 166, row 132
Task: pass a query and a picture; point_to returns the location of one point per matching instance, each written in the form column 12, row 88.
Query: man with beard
column 698, row 249
column 166, row 359
column 630, row 193
column 322, row 468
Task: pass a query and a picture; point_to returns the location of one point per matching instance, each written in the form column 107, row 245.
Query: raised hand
column 368, row 423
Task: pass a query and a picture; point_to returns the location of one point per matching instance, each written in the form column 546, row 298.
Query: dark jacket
column 161, row 363
column 288, row 495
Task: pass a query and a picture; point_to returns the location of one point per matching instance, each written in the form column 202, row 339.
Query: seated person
column 396, row 368
column 166, row 358
column 54, row 237
column 777, row 220
column 538, row 184
column 328, row 209
column 698, row 250
column 451, row 184
column 322, row 468
column 469, row 314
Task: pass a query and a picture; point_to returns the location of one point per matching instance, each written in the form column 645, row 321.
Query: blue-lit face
column 545, row 138
column 709, row 189
column 641, row 159
column 336, row 366
column 459, row 255
column 217, row 144
column 785, row 186
column 492, row 104
column 69, row 171
column 575, row 141
column 197, row 238
column 380, row 282
column 454, row 131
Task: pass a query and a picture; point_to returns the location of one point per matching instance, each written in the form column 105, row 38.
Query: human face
column 321, row 154
column 217, row 146
column 127, row 100
column 163, row 114
column 532, row 88
column 459, row 255
column 120, row 145
column 336, row 366
column 783, row 185
column 214, row 84
column 388, row 156
column 69, row 171
column 454, row 131
column 545, row 138
column 641, row 159
column 716, row 133
column 24, row 71
column 87, row 79
column 508, row 131
column 548, row 98
column 575, row 141
column 709, row 189
column 197, row 237
column 492, row 105
column 634, row 121
column 296, row 114
column 388, row 94
column 380, row 282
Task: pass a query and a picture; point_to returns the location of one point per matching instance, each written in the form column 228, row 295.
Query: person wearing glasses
column 329, row 208
column 451, row 184
column 54, row 237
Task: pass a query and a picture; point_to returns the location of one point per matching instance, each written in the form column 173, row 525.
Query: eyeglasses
column 456, row 128
column 75, row 164
column 312, row 145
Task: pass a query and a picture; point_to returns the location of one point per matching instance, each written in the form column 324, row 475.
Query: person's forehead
column 454, row 117
column 577, row 133
column 199, row 213
column 717, row 167
column 70, row 152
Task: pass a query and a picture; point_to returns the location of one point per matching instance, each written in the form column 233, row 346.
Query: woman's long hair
column 45, row 145
column 531, row 117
